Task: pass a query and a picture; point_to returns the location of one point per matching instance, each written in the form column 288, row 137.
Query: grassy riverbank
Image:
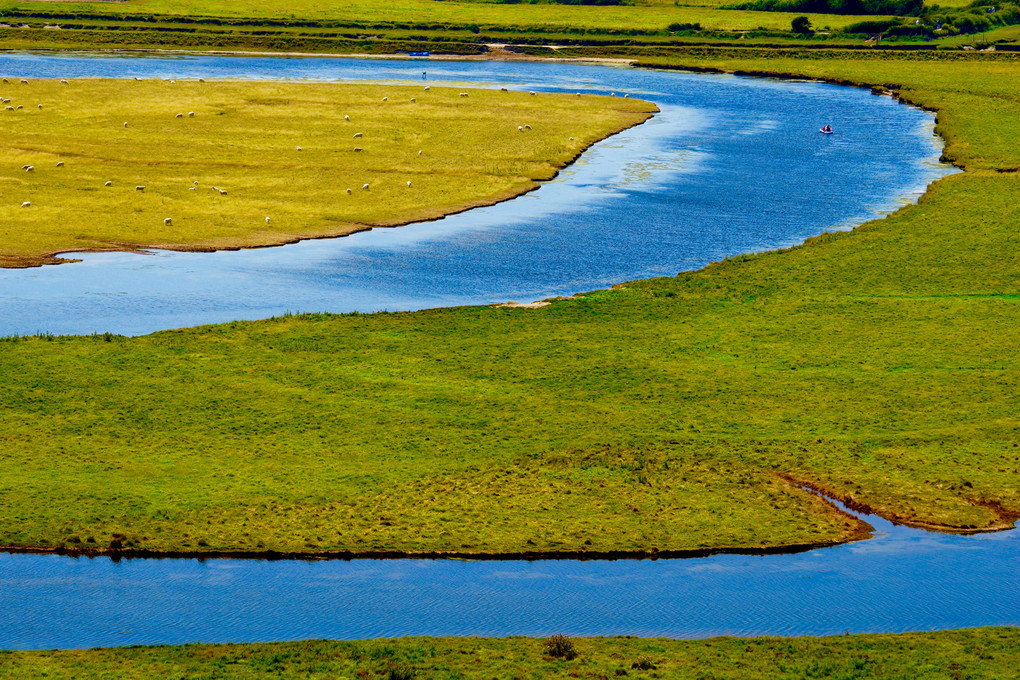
column 219, row 158
column 668, row 414
column 977, row 653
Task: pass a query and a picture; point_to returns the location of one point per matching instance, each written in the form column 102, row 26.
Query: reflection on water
column 901, row 580
column 730, row 165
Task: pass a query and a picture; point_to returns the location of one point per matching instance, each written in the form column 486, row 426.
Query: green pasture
column 668, row 414
column 981, row 653
column 219, row 158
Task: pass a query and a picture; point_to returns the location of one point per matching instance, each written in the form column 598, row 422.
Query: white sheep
column 463, row 94
column 299, row 148
column 347, row 118
column 9, row 108
column 267, row 219
column 527, row 127
column 125, row 123
column 139, row 188
column 626, row 96
column 348, row 192
column 215, row 188
column 24, row 82
column 179, row 115
column 191, row 114
column 571, row 139
column 408, row 182
column 532, row 94
column 419, row 152
column 195, row 183
column 503, row 89
column 427, row 88
column 20, row 107
column 6, row 81
column 108, row 183
column 612, row 94
column 60, row 164
column 192, row 189
column 358, row 148
column 167, row 221
column 173, row 82
column 358, row 134
column 413, row 100
column 40, row 107
column 385, row 99
column 520, row 128
column 26, row 204
column 29, row 168
column 63, row 81
column 365, row 187
column 223, row 192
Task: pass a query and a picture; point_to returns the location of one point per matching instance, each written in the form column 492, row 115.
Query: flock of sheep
column 191, row 114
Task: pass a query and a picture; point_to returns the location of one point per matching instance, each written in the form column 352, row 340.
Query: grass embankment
column 977, row 653
column 668, row 414
column 289, row 152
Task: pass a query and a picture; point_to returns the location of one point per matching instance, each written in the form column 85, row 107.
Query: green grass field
column 983, row 653
column 288, row 152
column 667, row 414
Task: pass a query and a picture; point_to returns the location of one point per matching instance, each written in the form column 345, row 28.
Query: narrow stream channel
column 901, row 580
column 730, row 165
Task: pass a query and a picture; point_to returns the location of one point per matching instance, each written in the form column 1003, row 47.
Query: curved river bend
column 730, row 165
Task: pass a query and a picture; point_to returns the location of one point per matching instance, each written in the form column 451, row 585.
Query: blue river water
column 731, row 165
column 901, row 580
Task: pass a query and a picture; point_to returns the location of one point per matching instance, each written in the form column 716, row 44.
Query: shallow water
column 731, row 165
column 901, row 580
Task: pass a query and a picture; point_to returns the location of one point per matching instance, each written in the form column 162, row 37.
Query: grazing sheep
column 408, row 182
column 612, row 94
column 173, row 82
column 137, row 78
column 571, row 139
column 20, row 107
column 503, row 89
column 419, row 152
column 267, row 219
column 215, row 188
column 626, row 96
column 527, row 127
column 532, row 94
column 167, row 221
column 9, row 108
column 139, row 188
column 357, row 134
column 179, row 115
column 201, row 80
column 358, row 148
column 299, row 148
column 191, row 114
column 413, row 100
column 521, row 128
column 192, row 189
column 463, row 94
column 578, row 94
column 29, row 168
column 26, row 204
column 223, row 192
column 108, row 183
column 6, row 81
column 40, row 107
column 63, row 81
column 195, row 183
column 125, row 123
column 348, row 192
column 365, row 187
column 427, row 88
column 5, row 101
column 385, row 99
column 347, row 118
column 24, row 82
column 60, row 164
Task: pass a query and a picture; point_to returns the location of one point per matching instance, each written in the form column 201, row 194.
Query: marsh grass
column 982, row 653
column 667, row 414
column 257, row 150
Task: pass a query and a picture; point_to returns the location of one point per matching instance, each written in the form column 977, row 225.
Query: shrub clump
column 560, row 647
